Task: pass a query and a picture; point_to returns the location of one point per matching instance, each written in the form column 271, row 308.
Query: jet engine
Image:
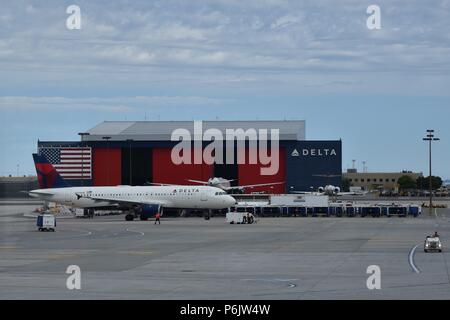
column 144, row 212
column 147, row 211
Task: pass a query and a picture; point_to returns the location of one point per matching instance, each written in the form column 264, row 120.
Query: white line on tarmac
column 81, row 234
column 411, row 259
column 290, row 281
column 136, row 232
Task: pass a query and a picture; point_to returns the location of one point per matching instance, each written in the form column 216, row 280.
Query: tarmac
column 192, row 258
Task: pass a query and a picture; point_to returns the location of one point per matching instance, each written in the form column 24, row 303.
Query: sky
column 377, row 90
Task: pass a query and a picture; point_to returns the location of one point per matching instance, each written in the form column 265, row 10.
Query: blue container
column 398, row 211
column 375, row 212
column 302, row 211
column 413, row 211
column 364, row 211
column 351, row 212
column 320, row 210
column 40, row 221
column 332, row 211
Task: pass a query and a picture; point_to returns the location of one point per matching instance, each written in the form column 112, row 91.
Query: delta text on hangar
column 142, row 149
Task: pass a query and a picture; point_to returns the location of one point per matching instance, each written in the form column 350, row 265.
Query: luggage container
column 46, row 222
column 370, row 211
column 331, row 211
column 375, row 212
column 364, row 211
column 351, row 211
column 414, row 210
column 320, row 211
column 303, row 212
column 397, row 211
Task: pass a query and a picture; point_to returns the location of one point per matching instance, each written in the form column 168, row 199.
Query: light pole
column 82, row 135
column 430, row 138
column 130, row 141
column 107, row 156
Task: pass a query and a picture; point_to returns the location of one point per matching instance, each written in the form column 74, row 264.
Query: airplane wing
column 353, row 193
column 253, row 185
column 197, row 181
column 307, row 192
column 42, row 193
column 162, row 184
column 126, row 201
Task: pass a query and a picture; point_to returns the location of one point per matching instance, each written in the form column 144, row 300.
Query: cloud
column 268, row 40
column 95, row 104
column 285, row 21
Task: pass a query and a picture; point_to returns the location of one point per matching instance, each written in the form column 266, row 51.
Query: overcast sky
column 378, row 90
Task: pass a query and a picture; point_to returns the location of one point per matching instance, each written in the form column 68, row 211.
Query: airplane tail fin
column 48, row 177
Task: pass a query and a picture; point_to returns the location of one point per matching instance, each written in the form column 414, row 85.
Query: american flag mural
column 71, row 163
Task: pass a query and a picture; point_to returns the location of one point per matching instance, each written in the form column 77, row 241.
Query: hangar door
column 137, row 166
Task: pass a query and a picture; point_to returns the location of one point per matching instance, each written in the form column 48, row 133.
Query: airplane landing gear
column 130, row 216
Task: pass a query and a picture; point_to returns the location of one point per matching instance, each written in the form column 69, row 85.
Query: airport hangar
column 114, row 150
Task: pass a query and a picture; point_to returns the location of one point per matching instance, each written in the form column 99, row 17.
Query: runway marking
column 78, row 235
column 411, row 259
column 141, row 233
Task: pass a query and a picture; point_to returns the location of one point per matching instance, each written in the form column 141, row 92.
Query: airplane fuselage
column 183, row 197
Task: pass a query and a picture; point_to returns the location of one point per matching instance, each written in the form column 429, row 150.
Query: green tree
column 424, row 183
column 346, row 184
column 406, row 183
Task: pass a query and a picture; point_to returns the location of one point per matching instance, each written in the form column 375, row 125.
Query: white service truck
column 240, row 218
column 46, row 222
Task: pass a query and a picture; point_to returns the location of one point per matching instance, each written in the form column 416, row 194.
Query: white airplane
column 140, row 201
column 225, row 184
column 331, row 190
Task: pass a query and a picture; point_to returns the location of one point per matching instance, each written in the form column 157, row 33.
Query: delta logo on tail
column 47, row 175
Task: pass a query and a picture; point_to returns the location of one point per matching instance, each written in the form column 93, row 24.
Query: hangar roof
column 162, row 130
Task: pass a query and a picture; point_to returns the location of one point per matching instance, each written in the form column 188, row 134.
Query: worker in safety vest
column 157, row 218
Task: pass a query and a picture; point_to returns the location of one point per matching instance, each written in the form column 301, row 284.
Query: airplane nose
column 231, row 201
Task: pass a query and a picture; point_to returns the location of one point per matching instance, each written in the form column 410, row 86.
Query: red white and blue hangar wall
column 303, row 165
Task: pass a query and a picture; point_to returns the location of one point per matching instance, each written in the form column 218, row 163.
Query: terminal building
column 378, row 180
column 140, row 153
